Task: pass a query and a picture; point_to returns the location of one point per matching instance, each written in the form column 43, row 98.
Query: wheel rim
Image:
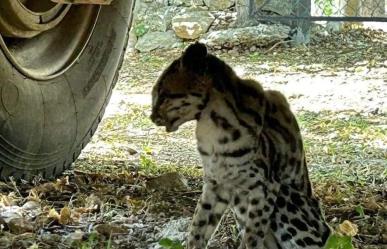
column 43, row 39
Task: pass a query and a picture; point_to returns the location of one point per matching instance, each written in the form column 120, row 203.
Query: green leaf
column 170, row 244
column 360, row 210
column 339, row 242
column 166, row 243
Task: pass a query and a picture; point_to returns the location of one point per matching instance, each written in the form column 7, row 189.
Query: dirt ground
column 123, row 193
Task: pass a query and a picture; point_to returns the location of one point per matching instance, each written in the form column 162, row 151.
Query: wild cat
column 252, row 152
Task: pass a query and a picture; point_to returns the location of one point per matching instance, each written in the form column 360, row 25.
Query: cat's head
column 181, row 92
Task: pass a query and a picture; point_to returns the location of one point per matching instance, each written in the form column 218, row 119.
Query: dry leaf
column 348, row 228
column 65, row 216
column 6, row 200
column 53, row 214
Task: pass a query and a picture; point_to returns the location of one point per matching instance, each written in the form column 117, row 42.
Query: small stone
column 192, row 25
column 158, row 40
column 168, row 182
column 20, row 226
column 110, row 229
column 219, row 4
column 260, row 35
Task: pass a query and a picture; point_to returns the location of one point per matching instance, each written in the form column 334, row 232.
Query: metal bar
column 104, row 2
column 324, row 18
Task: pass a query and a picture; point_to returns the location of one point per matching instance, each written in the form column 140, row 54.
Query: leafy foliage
column 170, row 244
column 326, row 5
column 336, row 241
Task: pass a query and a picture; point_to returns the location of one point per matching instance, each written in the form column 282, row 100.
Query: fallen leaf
column 53, row 214
column 65, row 216
column 348, row 228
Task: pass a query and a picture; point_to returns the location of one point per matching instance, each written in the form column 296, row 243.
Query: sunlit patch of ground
column 113, row 197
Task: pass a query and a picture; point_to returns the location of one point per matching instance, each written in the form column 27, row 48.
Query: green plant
column 326, row 5
column 170, row 244
column 360, row 210
column 336, row 241
column 141, row 29
column 91, row 241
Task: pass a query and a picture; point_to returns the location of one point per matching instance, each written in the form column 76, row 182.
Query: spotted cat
column 252, row 152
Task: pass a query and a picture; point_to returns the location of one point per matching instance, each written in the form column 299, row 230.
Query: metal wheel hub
column 43, row 39
column 28, row 18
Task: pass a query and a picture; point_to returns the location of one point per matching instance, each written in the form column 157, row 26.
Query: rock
column 219, row 4
column 74, row 239
column 192, row 25
column 10, row 212
column 186, row 3
column 280, row 7
column 158, row 40
column 155, row 20
column 197, row 3
column 20, row 226
column 174, row 230
column 110, row 229
column 168, row 182
column 259, row 36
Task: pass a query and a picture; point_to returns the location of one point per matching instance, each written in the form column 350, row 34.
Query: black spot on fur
column 286, row 237
column 203, row 152
column 281, row 202
column 292, row 231
column 236, row 153
column 300, row 242
column 236, row 134
column 202, row 223
column 237, row 200
column 309, row 241
column 223, row 140
column 254, row 201
column 284, row 219
column 300, row 225
column 222, row 200
column 206, row 206
column 273, row 226
column 291, row 208
column 296, row 199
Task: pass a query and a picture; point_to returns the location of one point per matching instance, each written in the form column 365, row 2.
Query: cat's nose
column 156, row 118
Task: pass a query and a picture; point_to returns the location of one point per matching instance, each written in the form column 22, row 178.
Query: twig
column 15, row 187
column 275, row 45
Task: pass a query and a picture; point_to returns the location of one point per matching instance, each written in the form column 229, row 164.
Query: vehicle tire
column 45, row 122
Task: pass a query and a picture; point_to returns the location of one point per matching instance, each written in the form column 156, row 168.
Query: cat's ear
column 194, row 56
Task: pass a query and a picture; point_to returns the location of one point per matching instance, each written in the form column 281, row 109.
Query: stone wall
column 166, row 24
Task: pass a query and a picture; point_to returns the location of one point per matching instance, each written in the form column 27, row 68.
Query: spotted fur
column 252, row 152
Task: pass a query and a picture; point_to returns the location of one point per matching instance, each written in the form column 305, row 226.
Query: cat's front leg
column 260, row 207
column 209, row 211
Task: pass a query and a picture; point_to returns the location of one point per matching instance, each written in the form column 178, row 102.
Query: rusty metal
column 53, row 51
column 103, row 2
column 26, row 19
